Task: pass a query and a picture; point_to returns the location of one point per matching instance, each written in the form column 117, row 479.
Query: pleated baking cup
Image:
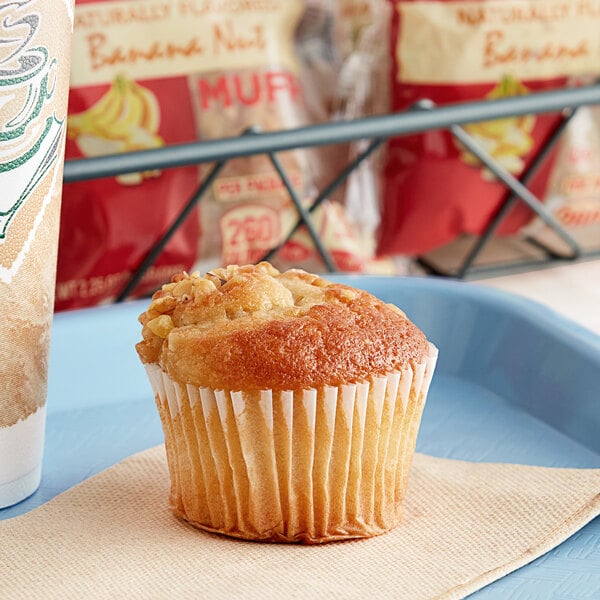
column 310, row 466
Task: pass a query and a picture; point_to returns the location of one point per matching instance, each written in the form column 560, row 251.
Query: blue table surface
column 515, row 383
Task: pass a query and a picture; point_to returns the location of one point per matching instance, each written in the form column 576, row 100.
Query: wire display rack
column 424, row 116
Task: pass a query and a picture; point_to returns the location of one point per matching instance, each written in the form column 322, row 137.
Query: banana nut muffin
column 290, row 404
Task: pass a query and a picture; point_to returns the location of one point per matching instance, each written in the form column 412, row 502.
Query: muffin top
column 252, row 327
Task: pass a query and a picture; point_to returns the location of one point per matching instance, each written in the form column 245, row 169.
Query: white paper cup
column 35, row 38
column 310, row 465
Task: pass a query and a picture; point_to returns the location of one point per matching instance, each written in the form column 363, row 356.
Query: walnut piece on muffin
column 252, row 327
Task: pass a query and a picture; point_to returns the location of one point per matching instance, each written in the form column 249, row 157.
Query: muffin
column 290, row 405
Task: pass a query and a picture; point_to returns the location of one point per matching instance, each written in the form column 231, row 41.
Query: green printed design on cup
column 29, row 139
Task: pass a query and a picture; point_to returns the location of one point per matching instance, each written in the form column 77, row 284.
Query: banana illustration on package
column 506, row 140
column 124, row 119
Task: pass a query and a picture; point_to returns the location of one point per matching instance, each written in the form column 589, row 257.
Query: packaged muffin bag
column 150, row 73
column 453, row 51
column 291, row 84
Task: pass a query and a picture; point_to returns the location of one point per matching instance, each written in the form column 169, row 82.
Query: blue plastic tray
column 515, row 382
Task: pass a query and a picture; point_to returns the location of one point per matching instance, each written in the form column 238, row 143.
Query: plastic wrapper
column 362, row 90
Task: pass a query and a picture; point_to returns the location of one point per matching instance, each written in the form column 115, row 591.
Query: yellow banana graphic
column 129, row 117
column 507, row 140
column 151, row 119
column 100, row 114
column 125, row 118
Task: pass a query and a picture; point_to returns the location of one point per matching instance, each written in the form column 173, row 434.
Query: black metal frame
column 422, row 117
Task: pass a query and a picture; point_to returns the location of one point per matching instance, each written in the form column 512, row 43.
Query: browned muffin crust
column 252, row 327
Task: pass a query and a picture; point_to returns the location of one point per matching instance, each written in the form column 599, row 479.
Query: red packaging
column 148, row 73
column 449, row 52
column 121, row 101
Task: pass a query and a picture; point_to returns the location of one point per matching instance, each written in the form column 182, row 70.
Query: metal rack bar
column 385, row 126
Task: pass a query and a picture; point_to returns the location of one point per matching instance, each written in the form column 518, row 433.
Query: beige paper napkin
column 466, row 525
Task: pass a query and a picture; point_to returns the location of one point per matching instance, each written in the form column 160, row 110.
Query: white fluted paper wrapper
column 304, row 465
